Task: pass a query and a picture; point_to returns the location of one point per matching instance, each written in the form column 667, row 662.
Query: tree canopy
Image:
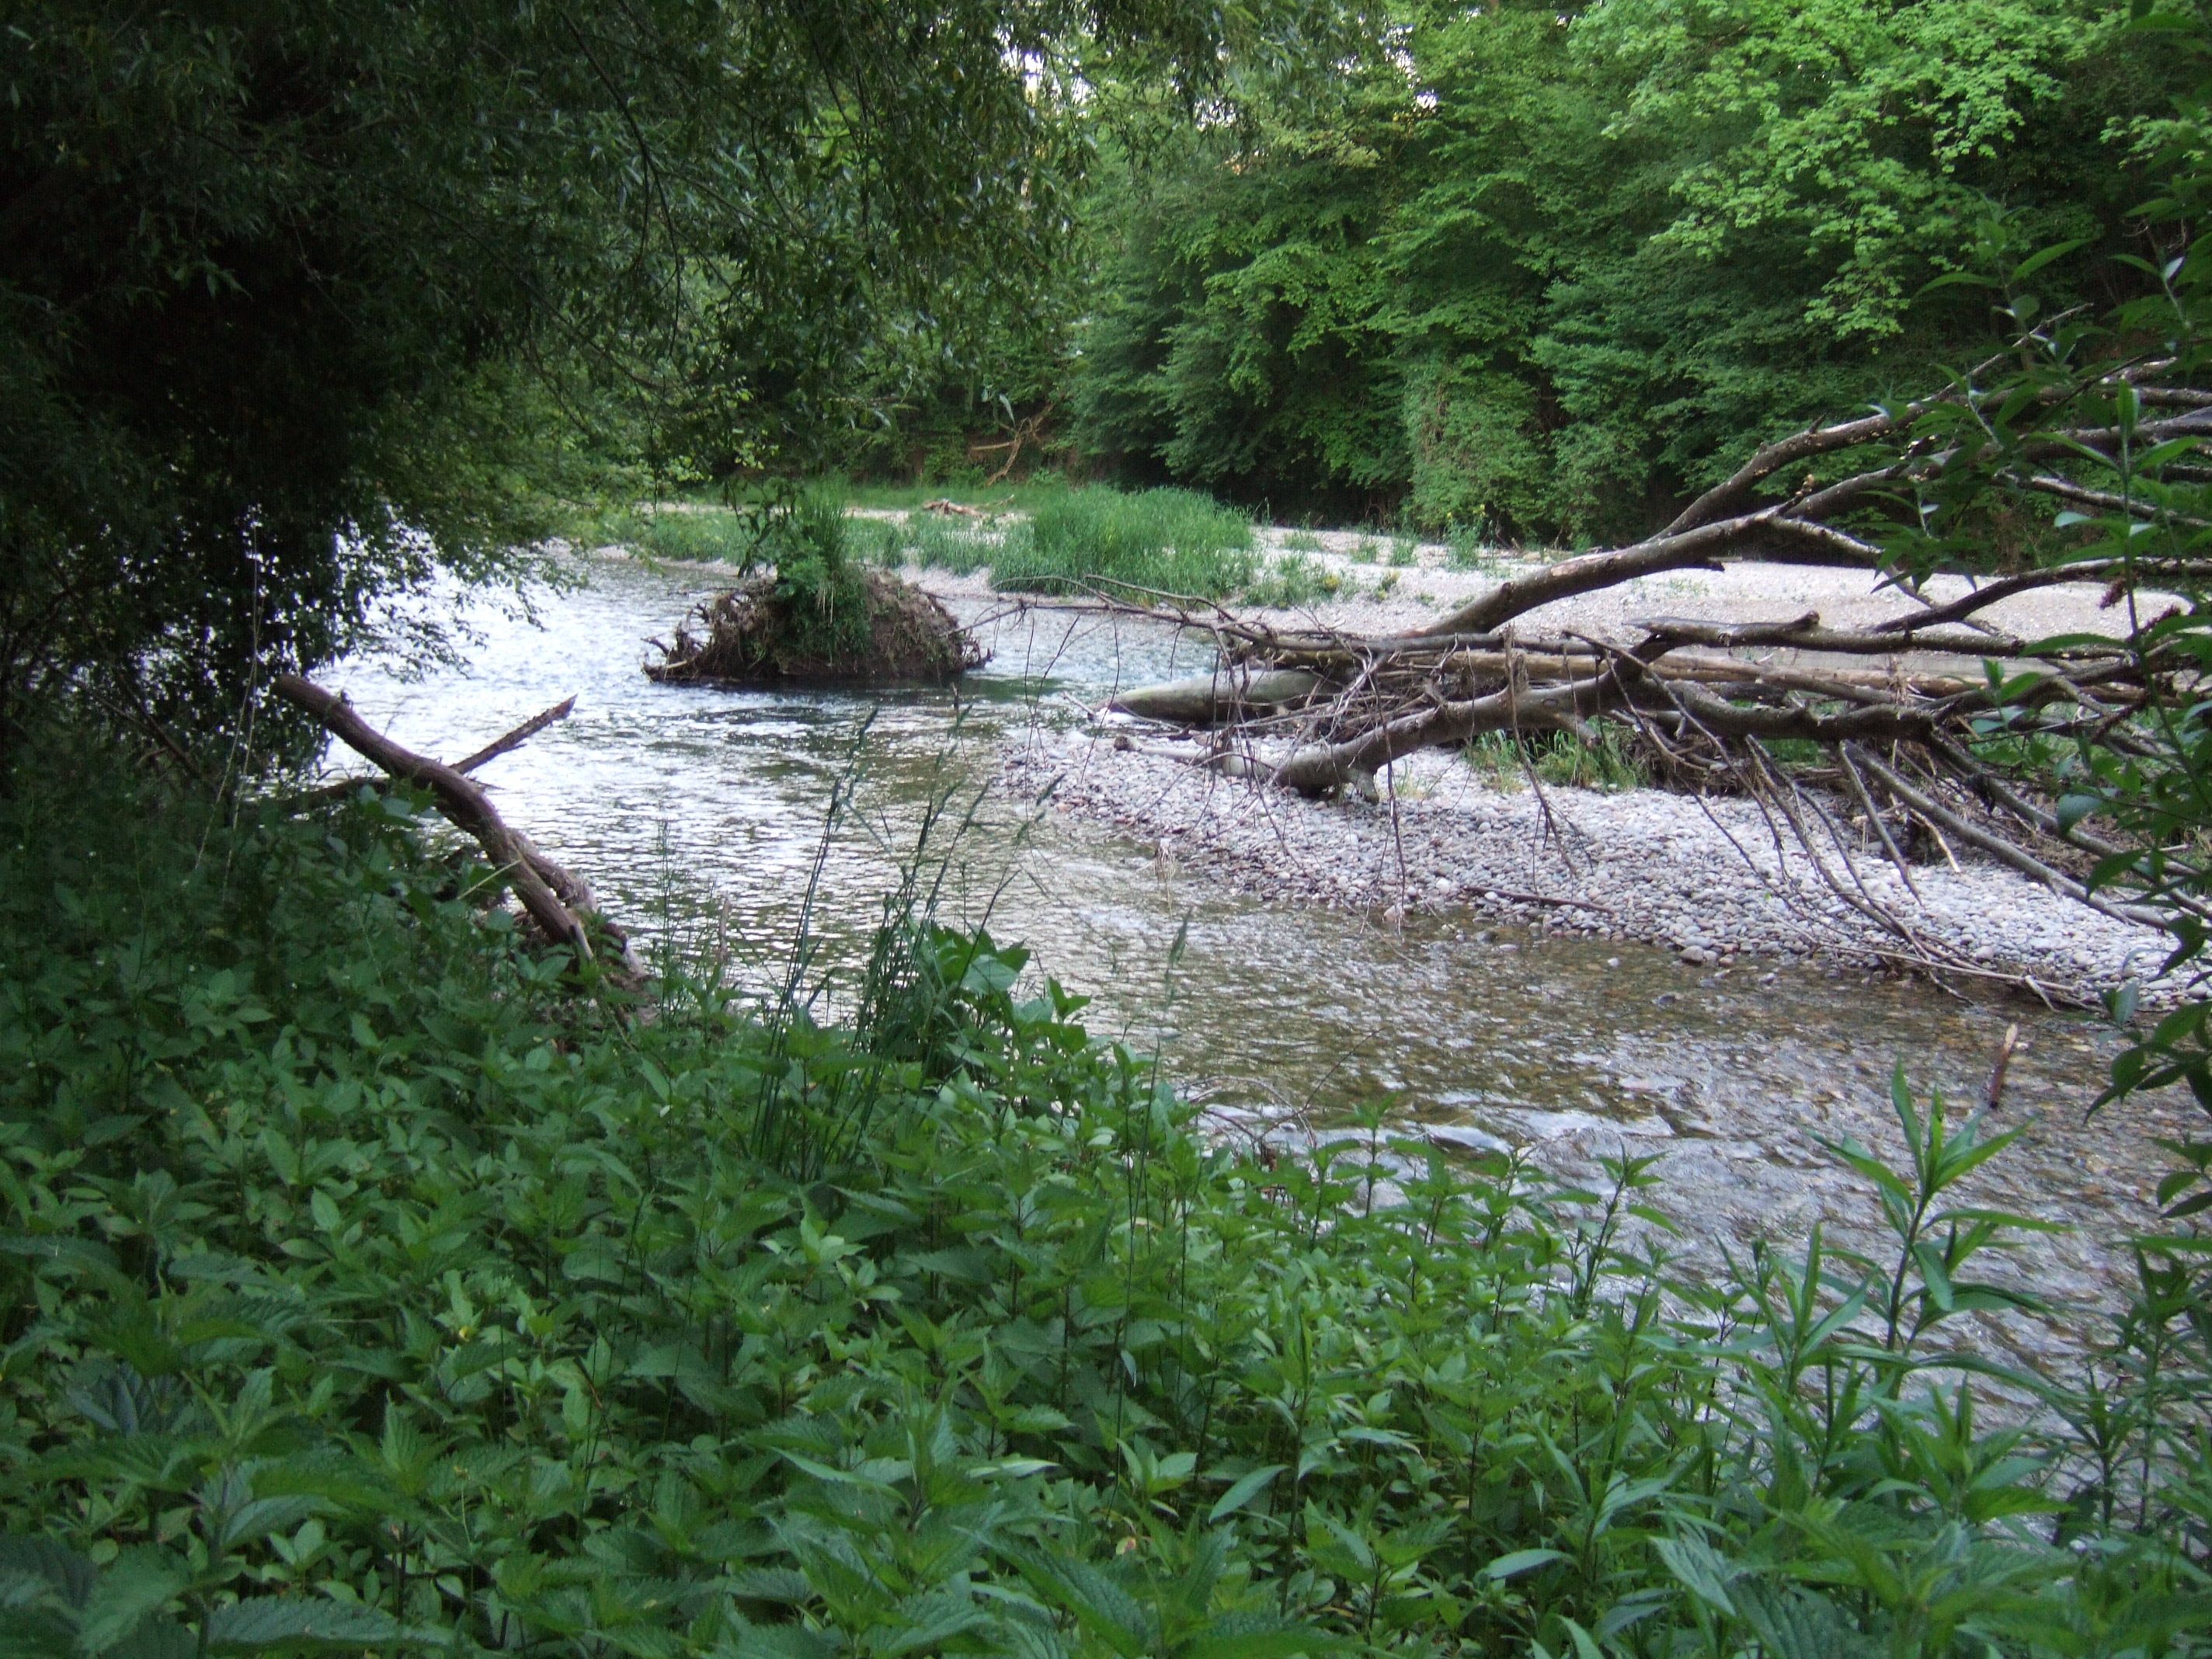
column 301, row 303
column 1544, row 270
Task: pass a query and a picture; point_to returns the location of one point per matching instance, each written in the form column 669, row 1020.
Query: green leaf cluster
column 1543, row 270
column 370, row 1282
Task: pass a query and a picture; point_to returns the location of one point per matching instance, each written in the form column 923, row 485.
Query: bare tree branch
column 556, row 901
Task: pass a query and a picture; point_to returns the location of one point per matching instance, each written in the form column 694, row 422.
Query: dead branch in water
column 557, row 900
column 328, row 794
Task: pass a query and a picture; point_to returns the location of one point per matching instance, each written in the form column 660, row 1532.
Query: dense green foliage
column 371, row 1283
column 1539, row 270
column 302, row 301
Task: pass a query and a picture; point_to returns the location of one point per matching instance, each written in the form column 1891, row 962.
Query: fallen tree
column 1937, row 724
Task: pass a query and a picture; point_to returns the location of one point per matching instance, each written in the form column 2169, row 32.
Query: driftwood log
column 327, row 794
column 1899, row 707
column 559, row 902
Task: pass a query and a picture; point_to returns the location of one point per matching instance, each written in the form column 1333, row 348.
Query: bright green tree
column 1547, row 269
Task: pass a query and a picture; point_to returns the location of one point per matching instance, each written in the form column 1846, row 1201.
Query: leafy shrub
column 372, row 1283
column 820, row 586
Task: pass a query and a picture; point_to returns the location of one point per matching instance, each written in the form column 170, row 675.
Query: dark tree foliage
column 297, row 300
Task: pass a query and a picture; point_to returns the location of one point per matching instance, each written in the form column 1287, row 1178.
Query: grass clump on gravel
column 1292, row 579
column 1131, row 545
column 1161, row 541
column 372, row 1283
column 1605, row 759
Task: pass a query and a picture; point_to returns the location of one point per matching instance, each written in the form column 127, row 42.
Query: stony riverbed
column 1713, row 878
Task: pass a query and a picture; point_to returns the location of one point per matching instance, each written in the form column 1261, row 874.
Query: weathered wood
column 555, row 900
column 1208, row 699
column 1545, row 667
column 328, row 794
column 521, row 734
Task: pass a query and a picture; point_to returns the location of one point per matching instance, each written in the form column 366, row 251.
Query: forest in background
column 1541, row 271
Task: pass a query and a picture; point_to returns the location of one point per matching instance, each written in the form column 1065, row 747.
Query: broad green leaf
column 1701, row 1569
column 1246, row 1488
column 267, row 1624
column 136, row 1585
column 1514, row 1564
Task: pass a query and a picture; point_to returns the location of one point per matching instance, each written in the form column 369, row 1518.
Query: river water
column 700, row 815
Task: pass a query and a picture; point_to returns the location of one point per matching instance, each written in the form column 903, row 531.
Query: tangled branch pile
column 1936, row 722
column 768, row 631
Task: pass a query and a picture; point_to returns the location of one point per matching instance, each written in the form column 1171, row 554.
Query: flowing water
column 702, row 813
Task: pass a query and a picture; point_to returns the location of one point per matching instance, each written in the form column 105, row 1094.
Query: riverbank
column 1710, row 879
column 1365, row 585
column 1714, row 879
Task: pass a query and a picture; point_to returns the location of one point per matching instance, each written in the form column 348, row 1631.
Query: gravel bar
column 1710, row 878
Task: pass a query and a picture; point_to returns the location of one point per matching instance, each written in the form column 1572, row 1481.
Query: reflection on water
column 705, row 809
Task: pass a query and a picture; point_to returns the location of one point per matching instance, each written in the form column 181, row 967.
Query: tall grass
column 1021, row 496
column 695, row 535
column 1159, row 541
column 372, row 1283
column 1156, row 542
column 1604, row 758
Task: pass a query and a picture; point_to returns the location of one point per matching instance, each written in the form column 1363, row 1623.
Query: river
column 699, row 815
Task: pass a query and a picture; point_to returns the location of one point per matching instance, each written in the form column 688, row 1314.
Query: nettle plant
column 372, row 1283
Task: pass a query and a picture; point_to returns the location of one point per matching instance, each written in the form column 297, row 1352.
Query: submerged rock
column 877, row 630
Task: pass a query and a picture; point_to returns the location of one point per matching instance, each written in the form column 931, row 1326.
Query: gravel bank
column 1710, row 879
column 1374, row 595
